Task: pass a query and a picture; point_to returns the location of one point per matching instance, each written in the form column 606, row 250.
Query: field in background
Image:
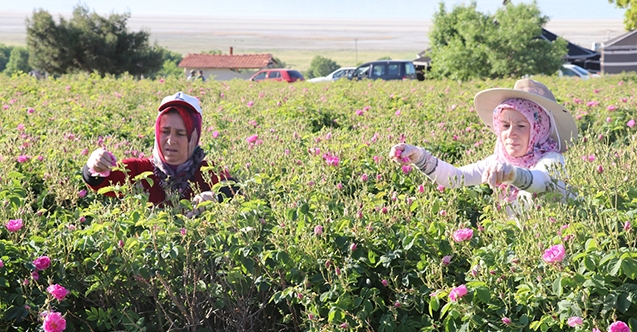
column 297, row 41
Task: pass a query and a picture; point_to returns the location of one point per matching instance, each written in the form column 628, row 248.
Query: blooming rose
column 458, row 292
column 318, row 230
column 252, row 139
column 446, row 260
column 54, row 322
column 42, row 262
column 554, row 254
column 464, row 234
column 506, row 321
column 59, row 292
column 14, row 225
column 574, row 321
column 618, row 326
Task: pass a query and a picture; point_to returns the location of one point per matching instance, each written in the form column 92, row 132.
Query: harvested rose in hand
column 397, row 153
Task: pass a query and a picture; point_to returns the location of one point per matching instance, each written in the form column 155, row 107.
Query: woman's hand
column 407, row 154
column 498, row 173
column 100, row 162
column 204, row 196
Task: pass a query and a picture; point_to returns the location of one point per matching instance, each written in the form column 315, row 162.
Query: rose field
column 328, row 234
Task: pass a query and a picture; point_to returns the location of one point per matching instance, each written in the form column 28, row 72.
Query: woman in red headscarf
column 177, row 158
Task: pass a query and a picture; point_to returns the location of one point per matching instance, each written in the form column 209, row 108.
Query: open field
column 296, row 41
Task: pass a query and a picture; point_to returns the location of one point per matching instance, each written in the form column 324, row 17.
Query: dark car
column 277, row 74
column 385, row 70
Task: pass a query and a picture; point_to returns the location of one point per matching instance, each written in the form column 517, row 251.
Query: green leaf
column 623, row 303
column 483, row 294
column 615, row 270
column 557, row 287
column 408, row 241
column 629, row 267
column 434, row 304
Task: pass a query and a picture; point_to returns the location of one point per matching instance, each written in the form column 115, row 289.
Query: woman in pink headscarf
column 532, row 131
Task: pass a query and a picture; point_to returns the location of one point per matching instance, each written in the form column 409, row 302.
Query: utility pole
column 356, row 48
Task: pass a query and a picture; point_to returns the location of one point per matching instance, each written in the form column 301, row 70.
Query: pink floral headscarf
column 540, row 140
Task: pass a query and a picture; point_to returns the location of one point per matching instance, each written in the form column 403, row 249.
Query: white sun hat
column 181, row 99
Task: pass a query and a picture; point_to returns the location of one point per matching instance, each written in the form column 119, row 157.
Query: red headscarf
column 192, row 121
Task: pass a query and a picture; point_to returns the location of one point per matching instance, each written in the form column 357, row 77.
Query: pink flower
column 54, row 322
column 384, row 282
column 631, row 123
column 183, row 231
column 1, row 264
column 42, row 263
column 421, row 188
column 554, row 254
column 611, row 108
column 120, row 243
column 14, row 225
column 343, row 326
column 397, row 304
column 82, row 193
column 364, row 177
column 359, row 112
column 596, row 330
column 107, row 172
column 506, row 321
column 618, row 326
column 574, row 321
column 252, row 139
column 441, row 188
column 339, row 186
column 353, row 246
column 331, row 160
column 215, row 134
column 406, row 169
column 23, row 159
column 59, row 292
column 600, row 169
column 457, row 293
column 30, row 110
column 250, row 104
column 318, row 230
column 446, row 260
column 464, row 234
column 35, row 275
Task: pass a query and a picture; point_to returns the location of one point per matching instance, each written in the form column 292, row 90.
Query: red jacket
column 136, row 166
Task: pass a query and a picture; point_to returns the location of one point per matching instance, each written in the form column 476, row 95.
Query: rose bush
column 328, row 234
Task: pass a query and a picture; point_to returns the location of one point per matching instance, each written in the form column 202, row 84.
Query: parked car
column 278, row 74
column 571, row 70
column 333, row 76
column 385, row 70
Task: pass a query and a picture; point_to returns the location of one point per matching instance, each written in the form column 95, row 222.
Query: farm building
column 620, row 54
column 223, row 67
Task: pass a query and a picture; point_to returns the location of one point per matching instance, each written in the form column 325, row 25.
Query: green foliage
column 384, row 58
column 279, row 63
column 18, row 61
column 630, row 16
column 321, row 66
column 5, row 54
column 212, row 52
column 170, row 67
column 467, row 44
column 89, row 42
column 258, row 262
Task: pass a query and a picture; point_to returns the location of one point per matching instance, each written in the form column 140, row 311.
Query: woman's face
column 515, row 132
column 173, row 139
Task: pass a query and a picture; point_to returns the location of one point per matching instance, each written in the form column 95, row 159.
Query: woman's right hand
column 101, row 161
column 407, row 154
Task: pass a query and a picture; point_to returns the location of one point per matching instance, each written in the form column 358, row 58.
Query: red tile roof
column 234, row 61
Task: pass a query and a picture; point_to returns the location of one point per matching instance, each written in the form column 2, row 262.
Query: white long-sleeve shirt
column 537, row 180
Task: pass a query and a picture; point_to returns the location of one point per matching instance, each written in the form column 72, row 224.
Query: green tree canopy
column 89, row 42
column 321, row 66
column 18, row 61
column 630, row 16
column 5, row 54
column 467, row 44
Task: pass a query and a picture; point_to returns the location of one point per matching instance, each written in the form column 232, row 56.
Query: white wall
column 218, row 74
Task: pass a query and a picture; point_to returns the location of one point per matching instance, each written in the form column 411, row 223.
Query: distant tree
column 467, row 44
column 384, row 58
column 18, row 61
column 630, row 16
column 321, row 66
column 279, row 63
column 212, row 52
column 170, row 66
column 5, row 54
column 89, row 42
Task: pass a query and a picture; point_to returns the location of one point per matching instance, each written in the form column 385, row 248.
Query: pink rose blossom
column 600, row 169
column 353, row 247
column 574, row 321
column 421, row 188
column 618, row 326
column 14, row 225
column 42, row 263
column 1, row 264
column 554, row 254
column 406, row 169
column 339, row 186
column 250, row 103
column 506, row 321
column 627, row 226
column 611, row 108
column 35, row 275
column 384, row 282
column 82, row 193
column 183, row 231
column 252, row 139
column 318, row 230
column 215, row 134
column 107, row 172
column 59, row 292
column 446, row 260
column 464, row 234
column 457, row 293
column 631, row 123
column 54, row 322
column 364, row 177
column 441, row 188
column 30, row 110
column 23, row 159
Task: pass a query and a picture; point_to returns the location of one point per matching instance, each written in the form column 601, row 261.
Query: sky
column 323, row 9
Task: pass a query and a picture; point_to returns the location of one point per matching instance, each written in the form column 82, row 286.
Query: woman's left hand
column 204, row 196
column 497, row 173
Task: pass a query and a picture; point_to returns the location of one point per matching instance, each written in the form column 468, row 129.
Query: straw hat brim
column 486, row 101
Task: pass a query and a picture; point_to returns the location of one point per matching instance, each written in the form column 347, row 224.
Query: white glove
column 498, row 173
column 408, row 154
column 100, row 162
column 204, row 196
